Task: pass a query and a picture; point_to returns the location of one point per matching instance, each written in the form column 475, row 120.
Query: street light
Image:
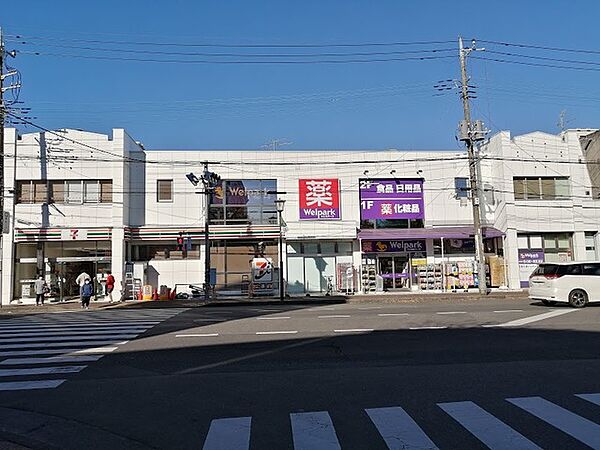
column 210, row 181
column 280, row 204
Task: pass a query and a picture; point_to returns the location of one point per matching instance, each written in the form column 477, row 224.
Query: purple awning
column 426, row 233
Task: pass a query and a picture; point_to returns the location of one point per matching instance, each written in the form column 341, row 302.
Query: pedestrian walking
column 86, row 292
column 40, row 290
column 110, row 286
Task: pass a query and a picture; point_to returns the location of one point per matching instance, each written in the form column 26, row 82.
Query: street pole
column 469, row 139
column 207, row 192
column 281, row 264
column 2, row 240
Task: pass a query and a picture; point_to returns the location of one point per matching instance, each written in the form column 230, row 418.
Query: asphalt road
column 506, row 373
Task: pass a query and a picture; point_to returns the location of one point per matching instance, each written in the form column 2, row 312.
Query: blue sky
column 310, row 106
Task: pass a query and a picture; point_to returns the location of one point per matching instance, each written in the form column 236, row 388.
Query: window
column 33, row 191
column 590, row 245
column 237, row 202
column 164, row 189
column 557, row 247
column 64, row 191
column 541, row 188
column 462, row 187
column 591, row 269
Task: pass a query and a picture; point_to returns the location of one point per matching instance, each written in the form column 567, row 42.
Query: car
column 576, row 283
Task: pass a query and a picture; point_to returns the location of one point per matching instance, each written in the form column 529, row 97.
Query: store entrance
column 395, row 271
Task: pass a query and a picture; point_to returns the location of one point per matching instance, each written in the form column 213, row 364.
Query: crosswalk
column 399, row 431
column 38, row 351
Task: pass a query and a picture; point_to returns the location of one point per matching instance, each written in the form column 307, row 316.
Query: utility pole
column 470, row 133
column 1, row 143
column 210, row 181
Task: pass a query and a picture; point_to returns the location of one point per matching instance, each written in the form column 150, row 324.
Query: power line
column 543, row 58
column 542, row 47
column 218, row 45
column 524, row 63
column 235, row 62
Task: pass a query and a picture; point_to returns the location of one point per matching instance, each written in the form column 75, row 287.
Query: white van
column 573, row 283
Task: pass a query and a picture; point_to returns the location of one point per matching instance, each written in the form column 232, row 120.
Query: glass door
column 386, row 271
column 402, row 276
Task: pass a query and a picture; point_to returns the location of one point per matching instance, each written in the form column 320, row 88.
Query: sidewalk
column 408, row 297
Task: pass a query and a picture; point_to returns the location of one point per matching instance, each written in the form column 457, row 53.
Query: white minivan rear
column 573, row 283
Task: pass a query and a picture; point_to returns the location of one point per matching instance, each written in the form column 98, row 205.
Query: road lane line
column 451, row 312
column 334, row 316
column 488, row 429
column 196, row 335
column 366, row 308
column 228, row 434
column 95, row 350
column 273, row 318
column 392, row 314
column 579, row 427
column 536, row 318
column 276, row 332
column 508, row 310
column 250, row 356
column 313, row 430
column 355, row 330
column 428, row 328
column 399, row 430
column 26, row 385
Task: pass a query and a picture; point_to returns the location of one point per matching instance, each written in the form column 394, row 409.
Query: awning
column 425, row 233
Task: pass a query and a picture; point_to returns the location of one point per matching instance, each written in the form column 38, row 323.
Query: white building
column 394, row 220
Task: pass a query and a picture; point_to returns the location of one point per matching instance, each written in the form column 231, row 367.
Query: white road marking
column 44, row 326
column 366, row 308
column 97, row 350
column 579, row 427
column 196, row 335
column 71, row 333
column 355, row 330
column 428, row 328
column 536, row 318
column 508, row 310
column 313, row 430
column 50, row 360
column 277, row 332
column 399, row 430
column 40, row 371
column 26, row 385
column 228, row 434
column 392, row 314
column 488, row 429
column 63, row 344
column 273, row 318
column 334, row 316
column 451, row 312
column 594, row 398
column 53, row 339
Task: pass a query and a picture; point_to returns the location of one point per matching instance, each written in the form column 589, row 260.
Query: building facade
column 359, row 221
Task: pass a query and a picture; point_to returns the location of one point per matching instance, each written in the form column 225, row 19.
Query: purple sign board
column 531, row 256
column 403, row 246
column 391, row 199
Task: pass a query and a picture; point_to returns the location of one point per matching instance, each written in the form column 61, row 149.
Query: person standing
column 80, row 280
column 110, row 286
column 40, row 290
column 86, row 293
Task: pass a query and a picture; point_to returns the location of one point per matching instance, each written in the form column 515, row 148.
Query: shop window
column 541, row 188
column 344, row 247
column 294, row 247
column 164, row 190
column 391, row 223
